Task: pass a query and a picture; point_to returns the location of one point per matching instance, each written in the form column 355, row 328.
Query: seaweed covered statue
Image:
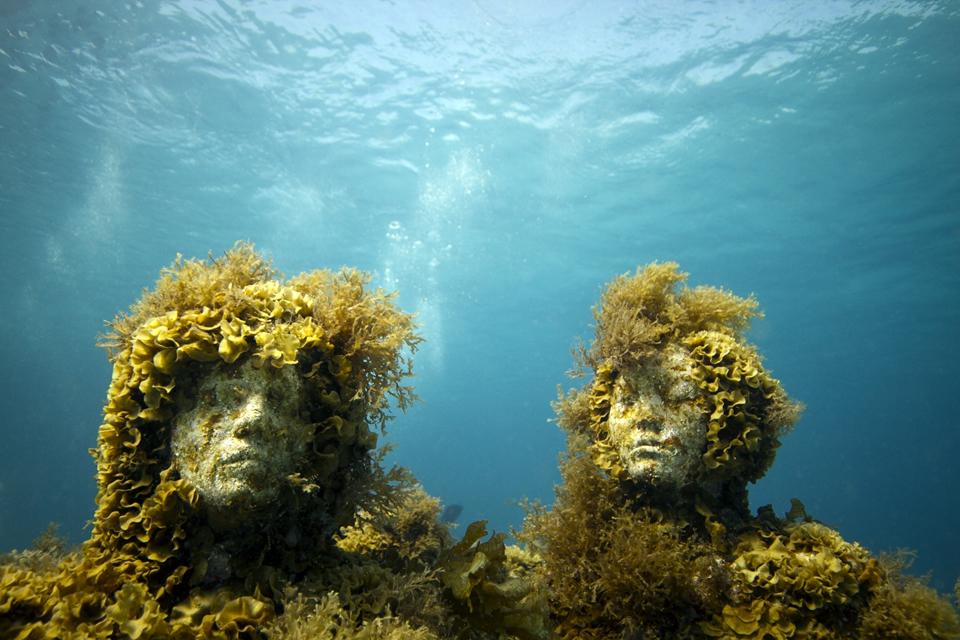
column 651, row 534
column 239, row 493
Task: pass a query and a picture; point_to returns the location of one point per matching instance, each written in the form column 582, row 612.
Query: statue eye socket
column 627, row 393
column 225, row 396
column 683, row 391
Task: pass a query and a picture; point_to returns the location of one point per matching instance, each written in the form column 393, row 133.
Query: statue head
column 244, row 403
column 679, row 399
column 656, row 422
column 240, row 437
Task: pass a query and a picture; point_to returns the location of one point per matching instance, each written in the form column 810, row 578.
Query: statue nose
column 250, row 415
column 649, row 424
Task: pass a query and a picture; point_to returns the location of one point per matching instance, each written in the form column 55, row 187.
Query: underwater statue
column 651, row 535
column 240, row 494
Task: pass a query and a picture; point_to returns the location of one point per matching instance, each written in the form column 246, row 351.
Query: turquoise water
column 496, row 165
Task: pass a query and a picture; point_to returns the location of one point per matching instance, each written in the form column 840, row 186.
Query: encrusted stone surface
column 656, row 423
column 243, row 436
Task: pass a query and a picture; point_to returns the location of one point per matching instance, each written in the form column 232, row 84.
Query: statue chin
column 653, row 478
column 238, row 492
column 658, row 468
column 230, row 510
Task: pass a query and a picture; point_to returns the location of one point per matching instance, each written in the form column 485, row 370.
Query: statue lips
column 654, row 446
column 647, row 450
column 245, row 455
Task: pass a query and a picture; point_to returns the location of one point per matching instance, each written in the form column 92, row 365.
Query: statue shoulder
column 802, row 579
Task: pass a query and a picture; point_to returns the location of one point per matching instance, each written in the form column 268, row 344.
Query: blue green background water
column 497, row 162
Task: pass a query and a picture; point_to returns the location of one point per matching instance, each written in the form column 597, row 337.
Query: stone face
column 242, row 437
column 657, row 421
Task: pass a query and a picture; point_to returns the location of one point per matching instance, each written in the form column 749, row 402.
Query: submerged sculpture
column 651, row 534
column 239, row 493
